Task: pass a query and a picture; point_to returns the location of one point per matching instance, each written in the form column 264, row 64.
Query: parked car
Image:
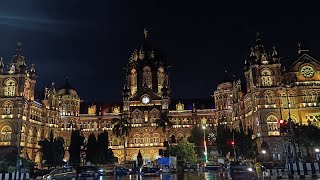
column 121, row 170
column 237, row 170
column 88, row 171
column 211, row 167
column 149, row 169
column 62, row 173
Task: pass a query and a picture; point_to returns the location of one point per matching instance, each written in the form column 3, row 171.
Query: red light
column 281, row 121
column 232, row 142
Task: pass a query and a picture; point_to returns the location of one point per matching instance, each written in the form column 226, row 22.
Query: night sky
column 90, row 41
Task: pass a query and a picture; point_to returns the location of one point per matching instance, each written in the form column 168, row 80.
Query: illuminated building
column 146, row 94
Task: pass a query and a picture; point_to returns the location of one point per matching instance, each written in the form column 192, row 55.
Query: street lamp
column 317, row 150
column 294, row 145
column 205, row 144
column 264, row 152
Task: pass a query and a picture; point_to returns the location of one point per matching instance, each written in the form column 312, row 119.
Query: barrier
column 297, row 170
column 14, row 176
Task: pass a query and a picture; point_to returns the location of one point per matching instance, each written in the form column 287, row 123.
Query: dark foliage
column 75, row 147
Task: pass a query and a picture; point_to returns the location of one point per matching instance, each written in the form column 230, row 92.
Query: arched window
column 23, row 134
column 136, row 139
column 266, row 79
column 156, row 138
column 291, row 98
column 146, row 138
column 133, row 81
column 30, row 136
column 8, row 108
column 161, row 79
column 5, row 134
column 269, row 97
column 147, row 77
column 10, row 88
column 273, row 126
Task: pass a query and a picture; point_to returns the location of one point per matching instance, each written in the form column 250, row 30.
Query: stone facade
column 271, row 92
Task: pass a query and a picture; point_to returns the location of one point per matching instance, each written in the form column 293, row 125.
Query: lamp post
column 290, row 123
column 317, row 150
column 264, row 153
column 205, row 143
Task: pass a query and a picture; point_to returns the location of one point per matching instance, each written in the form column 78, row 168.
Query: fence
column 295, row 170
column 14, row 176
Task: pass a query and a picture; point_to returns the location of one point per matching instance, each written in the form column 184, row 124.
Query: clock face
column 145, row 99
column 307, row 71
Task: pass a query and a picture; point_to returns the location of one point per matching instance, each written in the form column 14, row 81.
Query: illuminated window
column 10, row 88
column 5, row 134
column 133, row 81
column 8, row 108
column 161, row 78
column 147, row 77
column 269, row 97
column 23, row 133
column 146, row 138
column 266, row 78
column 273, row 126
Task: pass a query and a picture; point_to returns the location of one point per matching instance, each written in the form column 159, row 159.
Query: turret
column 1, row 65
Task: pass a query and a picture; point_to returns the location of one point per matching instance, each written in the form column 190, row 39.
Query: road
column 184, row 176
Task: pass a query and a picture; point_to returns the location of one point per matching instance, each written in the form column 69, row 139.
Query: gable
column 305, row 59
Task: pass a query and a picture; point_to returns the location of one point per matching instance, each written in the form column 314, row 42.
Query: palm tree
column 121, row 128
column 164, row 123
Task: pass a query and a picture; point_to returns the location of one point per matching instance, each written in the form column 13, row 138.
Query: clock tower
column 147, row 81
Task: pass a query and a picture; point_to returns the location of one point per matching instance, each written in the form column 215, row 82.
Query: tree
column 110, row 156
column 52, row 150
column 75, row 147
column 139, row 158
column 196, row 137
column 164, row 123
column 58, row 151
column 184, row 151
column 121, row 128
column 102, row 148
column 91, row 153
column 244, row 145
column 307, row 139
column 173, row 139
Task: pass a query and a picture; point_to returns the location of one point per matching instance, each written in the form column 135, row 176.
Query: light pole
column 264, row 153
column 205, row 143
column 234, row 148
column 317, row 150
column 290, row 124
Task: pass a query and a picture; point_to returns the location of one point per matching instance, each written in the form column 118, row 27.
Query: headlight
column 250, row 169
column 49, row 177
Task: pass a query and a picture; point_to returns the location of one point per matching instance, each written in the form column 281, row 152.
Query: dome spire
column 1, row 63
column 146, row 33
column 258, row 39
column 19, row 48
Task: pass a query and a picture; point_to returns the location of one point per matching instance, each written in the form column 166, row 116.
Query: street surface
column 165, row 176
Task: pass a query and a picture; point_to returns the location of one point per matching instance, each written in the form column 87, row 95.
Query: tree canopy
column 184, row 151
column 52, row 150
column 75, row 147
column 307, row 137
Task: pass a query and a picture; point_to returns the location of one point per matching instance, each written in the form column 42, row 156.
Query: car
column 210, row 167
column 149, row 169
column 88, row 171
column 62, row 173
column 121, row 170
column 237, row 170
